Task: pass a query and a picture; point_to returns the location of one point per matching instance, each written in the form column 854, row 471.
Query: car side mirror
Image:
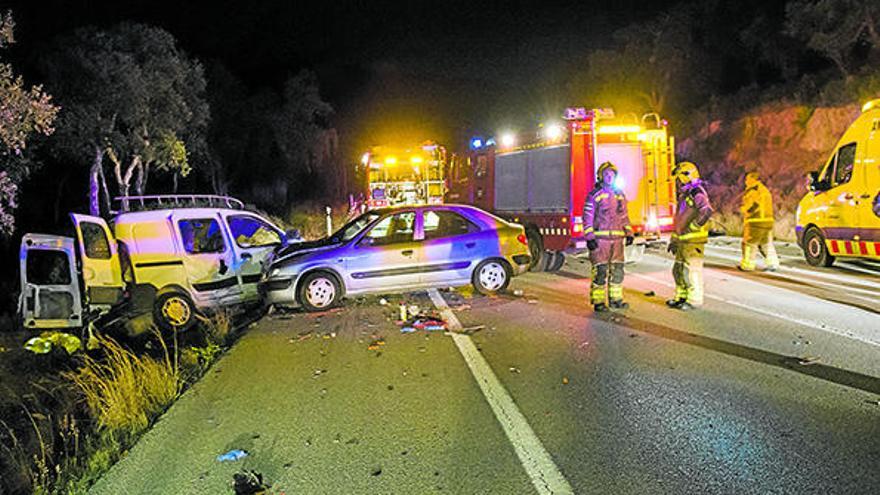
column 813, row 183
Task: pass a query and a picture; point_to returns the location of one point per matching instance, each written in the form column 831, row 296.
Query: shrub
column 124, row 391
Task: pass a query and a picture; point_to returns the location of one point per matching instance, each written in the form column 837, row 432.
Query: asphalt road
column 772, row 387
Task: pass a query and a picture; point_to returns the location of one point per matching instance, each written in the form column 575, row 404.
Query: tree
column 655, row 66
column 834, row 27
column 132, row 97
column 24, row 112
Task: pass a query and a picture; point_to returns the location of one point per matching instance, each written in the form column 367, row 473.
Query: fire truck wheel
column 815, row 250
column 536, row 251
column 491, row 277
column 557, row 259
column 319, row 291
column 174, row 312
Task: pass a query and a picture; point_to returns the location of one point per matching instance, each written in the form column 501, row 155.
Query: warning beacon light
column 476, row 143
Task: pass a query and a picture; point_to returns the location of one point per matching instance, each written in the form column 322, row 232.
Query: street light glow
column 508, row 140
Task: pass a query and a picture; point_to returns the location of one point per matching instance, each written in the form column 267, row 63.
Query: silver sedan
column 399, row 249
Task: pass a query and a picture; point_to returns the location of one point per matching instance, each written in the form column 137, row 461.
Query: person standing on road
column 757, row 212
column 607, row 229
column 689, row 238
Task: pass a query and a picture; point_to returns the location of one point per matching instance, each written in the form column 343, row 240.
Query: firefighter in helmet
column 607, row 228
column 757, row 212
column 689, row 237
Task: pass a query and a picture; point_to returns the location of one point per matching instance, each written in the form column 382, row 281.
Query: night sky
column 392, row 70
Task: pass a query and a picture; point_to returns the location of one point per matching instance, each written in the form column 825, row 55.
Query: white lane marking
column 831, row 276
column 545, row 476
column 739, row 250
column 845, row 288
column 767, row 312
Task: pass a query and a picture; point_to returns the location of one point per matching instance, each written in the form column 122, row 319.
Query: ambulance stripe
column 834, row 248
column 849, row 247
column 863, row 248
column 877, row 248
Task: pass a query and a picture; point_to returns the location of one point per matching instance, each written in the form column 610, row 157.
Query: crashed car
column 399, row 249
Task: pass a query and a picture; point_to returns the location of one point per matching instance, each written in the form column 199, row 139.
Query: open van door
column 50, row 295
column 101, row 268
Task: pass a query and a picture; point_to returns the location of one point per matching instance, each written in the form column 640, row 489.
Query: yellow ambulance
column 840, row 215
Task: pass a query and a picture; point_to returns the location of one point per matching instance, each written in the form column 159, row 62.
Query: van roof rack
column 162, row 201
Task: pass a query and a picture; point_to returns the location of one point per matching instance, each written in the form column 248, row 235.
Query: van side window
column 846, row 158
column 96, row 244
column 48, row 267
column 251, row 232
column 201, row 236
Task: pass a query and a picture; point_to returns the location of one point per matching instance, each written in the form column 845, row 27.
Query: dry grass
column 217, row 327
column 311, row 219
column 123, row 390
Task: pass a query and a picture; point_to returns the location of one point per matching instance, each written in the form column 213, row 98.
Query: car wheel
column 536, row 251
column 174, row 311
column 491, row 277
column 557, row 259
column 319, row 291
column 815, row 250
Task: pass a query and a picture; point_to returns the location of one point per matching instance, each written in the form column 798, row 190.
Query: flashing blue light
column 619, row 183
column 490, row 142
column 476, row 143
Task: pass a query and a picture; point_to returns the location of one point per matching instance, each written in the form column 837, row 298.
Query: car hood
column 295, row 252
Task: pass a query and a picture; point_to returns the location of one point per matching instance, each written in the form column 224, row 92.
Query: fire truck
column 405, row 175
column 541, row 180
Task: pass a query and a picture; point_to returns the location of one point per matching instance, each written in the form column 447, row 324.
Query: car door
column 50, row 294
column 101, row 268
column 386, row 256
column 840, row 197
column 208, row 258
column 254, row 240
column 452, row 246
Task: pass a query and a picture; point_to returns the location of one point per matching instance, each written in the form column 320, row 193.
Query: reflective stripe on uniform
column 611, row 233
column 691, row 235
column 761, row 219
column 615, row 291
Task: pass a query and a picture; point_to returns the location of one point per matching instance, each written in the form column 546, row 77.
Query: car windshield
column 352, row 228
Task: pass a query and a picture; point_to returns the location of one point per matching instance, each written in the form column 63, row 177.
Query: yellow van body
column 840, row 215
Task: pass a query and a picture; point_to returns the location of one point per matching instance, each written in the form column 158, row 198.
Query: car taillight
column 577, row 228
column 523, row 239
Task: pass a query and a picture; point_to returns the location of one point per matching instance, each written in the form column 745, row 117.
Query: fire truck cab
column 840, row 215
column 405, row 176
column 541, row 180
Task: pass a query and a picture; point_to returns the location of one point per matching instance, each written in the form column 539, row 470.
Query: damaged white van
column 173, row 256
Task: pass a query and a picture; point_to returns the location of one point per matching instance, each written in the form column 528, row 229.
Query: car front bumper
column 280, row 290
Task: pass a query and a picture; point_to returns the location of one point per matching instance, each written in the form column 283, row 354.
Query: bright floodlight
column 553, row 132
column 365, row 159
column 508, row 140
column 619, row 183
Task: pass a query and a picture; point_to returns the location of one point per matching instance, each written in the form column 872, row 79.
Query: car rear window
column 444, row 223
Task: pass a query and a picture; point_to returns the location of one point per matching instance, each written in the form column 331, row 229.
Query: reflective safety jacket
column 691, row 213
column 605, row 214
column 757, row 206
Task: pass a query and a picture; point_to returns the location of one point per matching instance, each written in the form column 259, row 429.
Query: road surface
column 772, row 387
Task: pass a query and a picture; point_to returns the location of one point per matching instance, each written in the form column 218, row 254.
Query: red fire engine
column 542, row 183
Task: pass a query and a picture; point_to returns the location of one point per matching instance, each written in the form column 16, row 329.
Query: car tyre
column 174, row 312
column 536, row 251
column 556, row 261
column 319, row 291
column 815, row 250
column 491, row 277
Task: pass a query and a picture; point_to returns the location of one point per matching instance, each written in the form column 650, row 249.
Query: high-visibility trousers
column 688, row 272
column 758, row 238
column 607, row 261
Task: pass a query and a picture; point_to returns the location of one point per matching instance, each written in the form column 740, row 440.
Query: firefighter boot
column 618, row 304
column 675, row 303
column 600, row 308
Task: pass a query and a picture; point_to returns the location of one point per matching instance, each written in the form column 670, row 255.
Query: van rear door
column 101, row 269
column 50, row 295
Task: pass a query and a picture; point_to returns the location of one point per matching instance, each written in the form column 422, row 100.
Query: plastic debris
column 249, row 483
column 318, row 372
column 375, row 344
column 407, row 330
column 383, row 302
column 650, row 293
column 565, row 380
column 44, row 343
column 232, row 455
column 518, row 292
column 514, row 369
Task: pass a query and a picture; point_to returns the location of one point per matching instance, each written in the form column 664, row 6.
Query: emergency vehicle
column 541, row 181
column 405, row 176
column 840, row 215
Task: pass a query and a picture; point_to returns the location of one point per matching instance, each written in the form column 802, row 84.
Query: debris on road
column 232, row 455
column 583, row 344
column 808, row 361
column 377, row 471
column 407, row 329
column 565, row 380
column 249, row 483
column 533, row 301
column 461, row 307
column 430, row 321
column 471, row 330
column 650, row 293
column 518, row 293
column 318, row 372
column 514, row 369
column 375, row 344
column 383, row 302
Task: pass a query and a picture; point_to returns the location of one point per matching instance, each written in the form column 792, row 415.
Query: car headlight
column 274, row 272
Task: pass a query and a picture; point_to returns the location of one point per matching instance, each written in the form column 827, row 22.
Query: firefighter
column 757, row 212
column 689, row 237
column 606, row 228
